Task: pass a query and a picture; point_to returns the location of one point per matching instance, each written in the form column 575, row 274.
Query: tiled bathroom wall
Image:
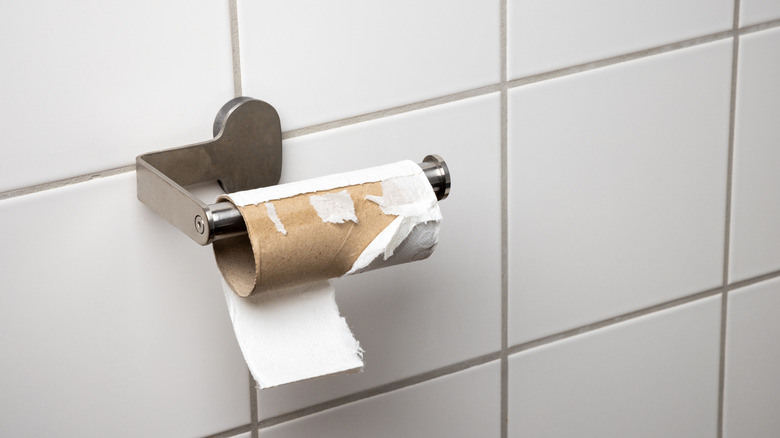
column 609, row 262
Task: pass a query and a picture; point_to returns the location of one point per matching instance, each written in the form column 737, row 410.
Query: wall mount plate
column 245, row 153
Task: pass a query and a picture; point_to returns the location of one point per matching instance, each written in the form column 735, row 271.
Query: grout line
column 724, row 303
column 502, row 87
column 614, row 320
column 235, row 48
column 65, row 182
column 391, row 111
column 520, row 81
column 232, row 432
column 503, row 84
column 605, row 62
column 130, row 168
column 504, row 394
column 460, row 366
column 253, row 405
column 759, row 27
column 382, row 389
column 238, row 92
column 751, row 281
column 454, row 97
column 502, row 41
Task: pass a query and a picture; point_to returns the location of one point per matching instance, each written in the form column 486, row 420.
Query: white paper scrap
column 412, row 200
column 269, row 207
column 293, row 334
column 373, row 174
column 335, row 208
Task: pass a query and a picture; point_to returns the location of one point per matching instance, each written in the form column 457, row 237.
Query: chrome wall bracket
column 245, row 153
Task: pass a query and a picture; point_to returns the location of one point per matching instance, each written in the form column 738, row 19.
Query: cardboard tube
column 289, row 243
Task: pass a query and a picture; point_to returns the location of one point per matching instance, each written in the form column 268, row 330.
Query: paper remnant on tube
column 411, row 199
column 374, row 174
column 271, row 210
column 334, row 208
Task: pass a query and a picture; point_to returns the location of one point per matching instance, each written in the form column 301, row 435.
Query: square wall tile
column 755, row 208
column 111, row 320
column 757, row 11
column 653, row 376
column 420, row 316
column 548, row 35
column 464, row 404
column 322, row 61
column 617, row 189
column 752, row 386
column 88, row 85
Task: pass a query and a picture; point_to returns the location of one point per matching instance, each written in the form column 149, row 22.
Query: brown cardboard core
column 312, row 249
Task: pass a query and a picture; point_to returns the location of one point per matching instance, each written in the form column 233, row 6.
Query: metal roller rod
column 227, row 220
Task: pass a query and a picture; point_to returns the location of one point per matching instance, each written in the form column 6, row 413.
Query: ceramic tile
column 548, row 35
column 421, row 316
column 752, row 385
column 323, row 61
column 757, row 11
column 755, row 209
column 617, row 182
column 111, row 319
column 653, row 376
column 88, row 85
column 463, row 404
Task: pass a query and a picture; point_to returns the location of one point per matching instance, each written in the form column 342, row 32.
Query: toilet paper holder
column 245, row 153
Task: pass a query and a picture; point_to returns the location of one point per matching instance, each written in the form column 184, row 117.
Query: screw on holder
column 200, row 225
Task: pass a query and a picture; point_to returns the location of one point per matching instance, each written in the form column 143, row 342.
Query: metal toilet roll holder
column 245, row 153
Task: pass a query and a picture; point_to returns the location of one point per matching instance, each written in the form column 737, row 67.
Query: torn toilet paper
column 299, row 235
column 293, row 334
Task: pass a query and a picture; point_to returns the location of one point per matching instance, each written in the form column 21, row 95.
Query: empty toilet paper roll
column 301, row 234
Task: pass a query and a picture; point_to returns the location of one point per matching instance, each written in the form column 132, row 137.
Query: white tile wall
column 88, row 85
column 321, row 61
column 756, row 11
column 548, row 35
column 111, row 321
column 752, row 388
column 407, row 319
column 617, row 182
column 755, row 234
column 464, row 404
column 653, row 376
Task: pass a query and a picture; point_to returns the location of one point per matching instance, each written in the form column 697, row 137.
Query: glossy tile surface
column 420, row 316
column 757, row 11
column 88, row 85
column 463, row 404
column 752, row 386
column 548, row 35
column 617, row 182
column 323, row 61
column 653, row 376
column 111, row 320
column 755, row 233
